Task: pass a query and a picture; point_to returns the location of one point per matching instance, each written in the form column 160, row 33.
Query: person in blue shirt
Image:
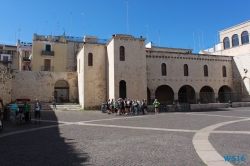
column 54, row 103
column 14, row 109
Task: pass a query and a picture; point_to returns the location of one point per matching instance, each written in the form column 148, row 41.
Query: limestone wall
column 94, row 76
column 175, row 71
column 5, row 84
column 241, row 75
column 132, row 70
column 40, row 85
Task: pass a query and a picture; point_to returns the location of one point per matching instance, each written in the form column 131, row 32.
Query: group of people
column 126, row 106
column 26, row 110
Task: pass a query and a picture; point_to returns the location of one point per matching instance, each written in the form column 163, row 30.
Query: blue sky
column 190, row 24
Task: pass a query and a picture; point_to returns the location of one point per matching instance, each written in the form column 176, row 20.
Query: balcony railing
column 48, row 53
column 47, row 68
column 26, row 59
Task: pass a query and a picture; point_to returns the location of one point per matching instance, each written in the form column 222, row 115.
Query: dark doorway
column 164, row 94
column 207, row 95
column 225, row 94
column 186, row 94
column 122, row 89
column 61, row 91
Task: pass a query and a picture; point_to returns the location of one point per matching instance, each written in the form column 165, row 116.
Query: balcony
column 47, row 68
column 26, row 59
column 47, row 53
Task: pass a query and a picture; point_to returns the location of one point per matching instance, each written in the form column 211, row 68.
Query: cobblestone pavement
column 94, row 138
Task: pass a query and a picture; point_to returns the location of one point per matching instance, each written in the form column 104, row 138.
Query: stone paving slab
column 238, row 112
column 232, row 145
column 114, row 146
column 86, row 138
column 238, row 126
column 168, row 120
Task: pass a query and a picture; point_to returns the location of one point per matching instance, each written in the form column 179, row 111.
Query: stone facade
column 196, row 80
column 92, row 75
column 5, row 84
column 41, row 85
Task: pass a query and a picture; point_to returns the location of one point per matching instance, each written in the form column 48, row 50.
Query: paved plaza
column 93, row 138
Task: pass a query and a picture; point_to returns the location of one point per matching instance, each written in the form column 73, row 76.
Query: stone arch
column 122, row 89
column 164, row 94
column 207, row 95
column 61, row 91
column 225, row 94
column 186, row 94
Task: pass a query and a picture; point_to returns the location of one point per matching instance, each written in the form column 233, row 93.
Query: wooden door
column 47, row 63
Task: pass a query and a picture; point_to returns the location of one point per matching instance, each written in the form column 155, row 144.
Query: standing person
column 26, row 110
column 142, row 107
column 122, row 107
column 156, row 105
column 54, row 103
column 112, row 106
column 128, row 106
column 108, row 106
column 38, row 107
column 115, row 107
column 135, row 104
column 145, row 106
column 14, row 109
column 131, row 106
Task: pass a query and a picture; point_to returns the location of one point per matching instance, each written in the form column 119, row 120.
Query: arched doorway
column 186, row 94
column 164, row 94
column 207, row 95
column 225, row 94
column 61, row 91
column 122, row 89
column 148, row 96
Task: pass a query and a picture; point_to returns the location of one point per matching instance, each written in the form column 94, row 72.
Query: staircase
column 60, row 107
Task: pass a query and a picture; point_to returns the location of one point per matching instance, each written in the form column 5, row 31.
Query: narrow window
column 224, row 71
column 235, row 40
column 205, row 71
column 163, row 69
column 90, row 59
column 244, row 37
column 47, row 47
column 122, row 53
column 185, row 70
column 226, row 43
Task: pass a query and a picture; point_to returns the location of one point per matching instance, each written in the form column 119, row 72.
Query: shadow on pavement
column 39, row 144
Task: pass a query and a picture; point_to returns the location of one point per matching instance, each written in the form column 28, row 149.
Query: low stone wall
column 218, row 105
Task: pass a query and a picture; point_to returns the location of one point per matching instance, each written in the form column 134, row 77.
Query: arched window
column 235, row 40
column 90, row 59
column 185, row 70
column 226, row 43
column 122, row 53
column 205, row 71
column 244, row 37
column 224, row 71
column 163, row 69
